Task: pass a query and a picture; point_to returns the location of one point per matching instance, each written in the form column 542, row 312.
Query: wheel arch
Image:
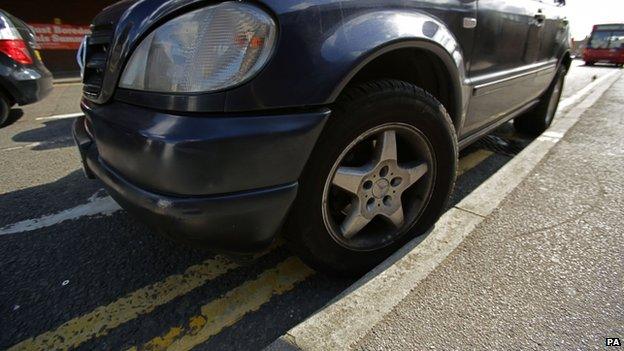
column 414, row 32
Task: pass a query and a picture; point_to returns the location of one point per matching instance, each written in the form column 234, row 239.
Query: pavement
column 545, row 270
column 79, row 273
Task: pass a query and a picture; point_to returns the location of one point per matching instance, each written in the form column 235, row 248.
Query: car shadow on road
column 53, row 135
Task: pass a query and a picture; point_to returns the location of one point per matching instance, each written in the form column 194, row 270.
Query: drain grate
column 499, row 145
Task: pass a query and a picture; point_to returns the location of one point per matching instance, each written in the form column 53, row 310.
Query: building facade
column 60, row 27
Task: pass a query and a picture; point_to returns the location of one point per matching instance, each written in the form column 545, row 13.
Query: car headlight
column 205, row 50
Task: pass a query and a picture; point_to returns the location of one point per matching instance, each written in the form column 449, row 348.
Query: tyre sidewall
column 537, row 120
column 560, row 80
column 4, row 110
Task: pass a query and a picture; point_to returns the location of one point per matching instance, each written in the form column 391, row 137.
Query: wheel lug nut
column 367, row 185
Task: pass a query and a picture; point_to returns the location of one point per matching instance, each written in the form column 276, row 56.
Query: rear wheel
column 5, row 107
column 541, row 116
column 381, row 174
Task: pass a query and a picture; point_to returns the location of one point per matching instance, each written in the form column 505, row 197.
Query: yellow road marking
column 470, row 161
column 232, row 307
column 104, row 318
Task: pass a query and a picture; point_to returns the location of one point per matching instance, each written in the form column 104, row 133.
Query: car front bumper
column 226, row 183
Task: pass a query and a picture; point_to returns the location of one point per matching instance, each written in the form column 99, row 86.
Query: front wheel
column 537, row 120
column 380, row 174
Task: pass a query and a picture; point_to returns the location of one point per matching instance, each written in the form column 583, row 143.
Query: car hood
column 110, row 15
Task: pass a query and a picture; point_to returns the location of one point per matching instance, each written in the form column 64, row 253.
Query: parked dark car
column 338, row 122
column 24, row 79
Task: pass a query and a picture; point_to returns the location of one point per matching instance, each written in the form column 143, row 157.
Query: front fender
column 365, row 37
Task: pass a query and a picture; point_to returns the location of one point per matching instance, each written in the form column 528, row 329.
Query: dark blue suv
column 336, row 122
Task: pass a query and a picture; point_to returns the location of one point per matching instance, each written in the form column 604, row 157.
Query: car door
column 504, row 61
column 554, row 38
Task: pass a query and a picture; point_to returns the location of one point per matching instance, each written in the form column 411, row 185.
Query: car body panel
column 24, row 85
column 515, row 57
column 240, row 222
column 615, row 56
column 193, row 156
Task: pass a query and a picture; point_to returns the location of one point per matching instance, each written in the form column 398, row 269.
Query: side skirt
column 471, row 138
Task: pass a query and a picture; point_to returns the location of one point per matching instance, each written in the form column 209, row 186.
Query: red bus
column 606, row 44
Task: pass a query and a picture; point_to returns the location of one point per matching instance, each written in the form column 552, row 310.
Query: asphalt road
column 78, row 272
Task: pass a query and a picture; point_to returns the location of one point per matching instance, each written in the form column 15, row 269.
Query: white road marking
column 96, row 205
column 68, row 115
column 31, row 145
column 37, row 144
column 20, row 147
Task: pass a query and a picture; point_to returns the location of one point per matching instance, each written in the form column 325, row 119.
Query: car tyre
column 363, row 121
column 538, row 119
column 589, row 63
column 5, row 108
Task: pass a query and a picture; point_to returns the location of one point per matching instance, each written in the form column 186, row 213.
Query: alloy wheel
column 378, row 187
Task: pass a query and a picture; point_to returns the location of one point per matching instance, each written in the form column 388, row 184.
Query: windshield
column 607, row 40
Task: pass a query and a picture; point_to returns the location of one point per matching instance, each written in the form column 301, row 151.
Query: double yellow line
column 103, row 319
column 215, row 315
column 232, row 307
